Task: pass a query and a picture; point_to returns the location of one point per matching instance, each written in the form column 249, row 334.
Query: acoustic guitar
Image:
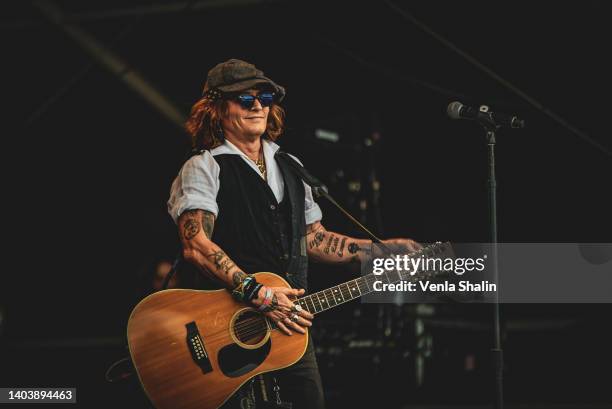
column 192, row 349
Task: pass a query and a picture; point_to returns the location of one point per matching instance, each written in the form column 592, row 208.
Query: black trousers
column 300, row 384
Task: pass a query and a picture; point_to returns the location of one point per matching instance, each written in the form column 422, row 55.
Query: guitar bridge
column 197, row 348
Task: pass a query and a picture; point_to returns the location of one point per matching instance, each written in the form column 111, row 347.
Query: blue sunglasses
column 246, row 101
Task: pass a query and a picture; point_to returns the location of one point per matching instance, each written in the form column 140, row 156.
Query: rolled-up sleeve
column 195, row 187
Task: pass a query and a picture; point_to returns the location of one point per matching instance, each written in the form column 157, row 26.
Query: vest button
column 272, row 207
column 285, row 256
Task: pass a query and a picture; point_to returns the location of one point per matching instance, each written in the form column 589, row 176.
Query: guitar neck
column 345, row 292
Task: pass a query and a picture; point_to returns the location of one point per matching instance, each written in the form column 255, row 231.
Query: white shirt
column 197, row 183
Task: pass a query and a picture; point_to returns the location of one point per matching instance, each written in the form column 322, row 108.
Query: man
column 239, row 211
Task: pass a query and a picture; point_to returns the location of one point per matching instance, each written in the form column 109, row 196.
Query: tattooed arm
column 329, row 247
column 195, row 230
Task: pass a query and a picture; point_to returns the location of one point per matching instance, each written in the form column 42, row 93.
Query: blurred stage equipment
column 371, row 144
column 326, row 135
column 320, row 190
column 354, row 176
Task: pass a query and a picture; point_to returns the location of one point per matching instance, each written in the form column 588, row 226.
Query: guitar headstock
column 438, row 250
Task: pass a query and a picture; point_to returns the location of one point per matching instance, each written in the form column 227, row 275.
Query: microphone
column 456, row 110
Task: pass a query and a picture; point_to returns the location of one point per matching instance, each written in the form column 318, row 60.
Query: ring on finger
column 294, row 317
column 296, row 308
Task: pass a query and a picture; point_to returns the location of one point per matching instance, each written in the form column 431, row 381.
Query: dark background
column 89, row 163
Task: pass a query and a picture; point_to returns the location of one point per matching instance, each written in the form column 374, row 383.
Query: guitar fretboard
column 345, row 292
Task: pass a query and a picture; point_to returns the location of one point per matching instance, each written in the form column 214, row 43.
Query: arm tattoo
column 311, row 228
column 334, row 245
column 208, row 223
column 317, row 240
column 191, row 226
column 329, row 243
column 222, row 261
column 238, row 277
column 342, row 243
column 353, row 248
column 196, row 220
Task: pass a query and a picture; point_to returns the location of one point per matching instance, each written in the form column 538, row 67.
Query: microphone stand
column 497, row 353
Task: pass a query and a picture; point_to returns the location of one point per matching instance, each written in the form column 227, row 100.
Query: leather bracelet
column 239, row 292
column 248, row 285
column 253, row 292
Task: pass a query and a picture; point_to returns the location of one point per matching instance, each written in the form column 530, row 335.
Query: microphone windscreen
column 454, row 109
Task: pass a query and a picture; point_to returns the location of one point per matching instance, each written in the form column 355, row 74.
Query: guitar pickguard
column 235, row 361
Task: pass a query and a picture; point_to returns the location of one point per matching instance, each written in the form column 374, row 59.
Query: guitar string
column 245, row 323
column 252, row 326
column 249, row 322
column 247, row 326
column 424, row 250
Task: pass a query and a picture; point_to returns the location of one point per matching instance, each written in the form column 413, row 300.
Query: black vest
column 254, row 230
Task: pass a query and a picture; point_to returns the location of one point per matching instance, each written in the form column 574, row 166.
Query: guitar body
column 194, row 348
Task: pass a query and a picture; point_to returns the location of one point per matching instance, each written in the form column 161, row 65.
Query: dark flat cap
column 236, row 75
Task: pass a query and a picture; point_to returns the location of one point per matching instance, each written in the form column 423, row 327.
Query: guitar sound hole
column 250, row 327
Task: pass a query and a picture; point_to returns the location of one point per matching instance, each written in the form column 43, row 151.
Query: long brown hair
column 204, row 122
